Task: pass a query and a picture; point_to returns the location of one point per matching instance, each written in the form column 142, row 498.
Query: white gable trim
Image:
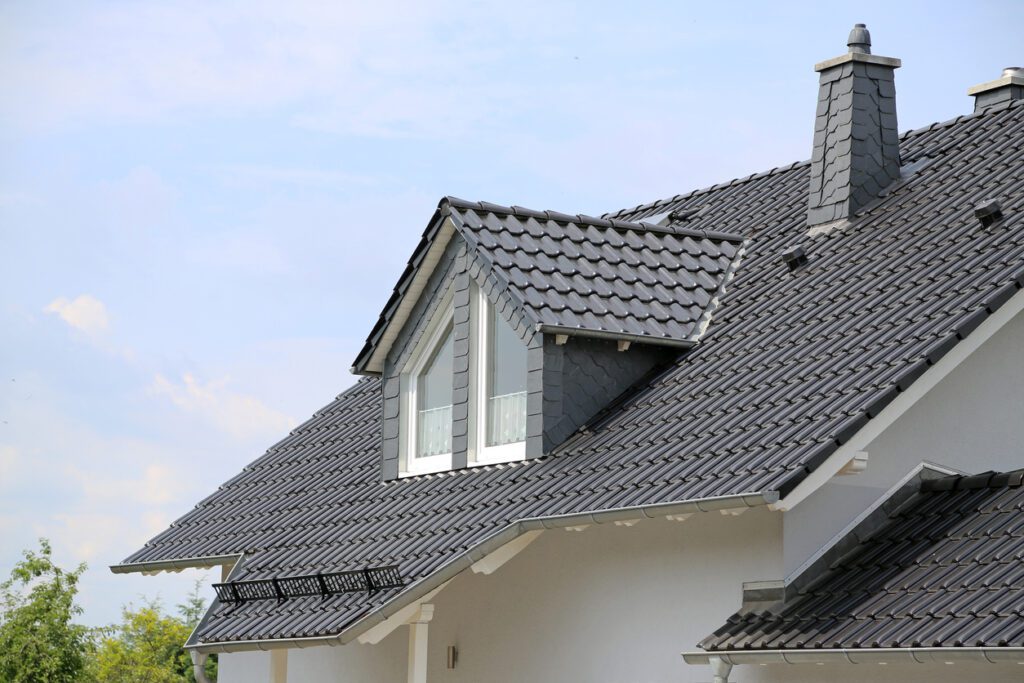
column 892, row 412
column 375, row 363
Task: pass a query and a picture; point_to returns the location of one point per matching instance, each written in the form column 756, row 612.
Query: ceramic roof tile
column 790, row 364
column 603, row 282
column 943, row 569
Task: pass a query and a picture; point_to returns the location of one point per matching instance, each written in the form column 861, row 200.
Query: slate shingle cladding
column 791, row 366
column 945, row 569
column 856, row 139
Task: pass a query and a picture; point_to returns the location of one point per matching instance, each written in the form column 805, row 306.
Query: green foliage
column 146, row 647
column 38, row 641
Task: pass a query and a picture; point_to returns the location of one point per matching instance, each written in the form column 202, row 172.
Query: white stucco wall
column 973, row 420
column 605, row 604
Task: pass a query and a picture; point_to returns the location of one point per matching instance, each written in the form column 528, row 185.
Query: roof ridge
column 776, row 170
column 583, row 219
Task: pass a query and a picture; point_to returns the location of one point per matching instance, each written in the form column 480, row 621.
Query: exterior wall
column 973, row 420
column 605, row 604
column 578, row 379
column 381, row 663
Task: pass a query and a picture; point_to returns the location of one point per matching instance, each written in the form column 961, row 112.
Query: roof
column 945, row 568
column 793, row 365
column 576, row 275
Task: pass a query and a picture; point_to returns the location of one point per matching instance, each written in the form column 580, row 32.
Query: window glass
column 434, row 401
column 506, row 383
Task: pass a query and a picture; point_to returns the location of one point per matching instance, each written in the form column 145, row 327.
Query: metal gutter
column 885, row 655
column 624, row 336
column 204, row 562
column 467, row 558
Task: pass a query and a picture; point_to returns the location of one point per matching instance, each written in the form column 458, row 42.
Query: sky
column 204, row 205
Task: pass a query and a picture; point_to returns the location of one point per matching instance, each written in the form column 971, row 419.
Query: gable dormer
column 510, row 329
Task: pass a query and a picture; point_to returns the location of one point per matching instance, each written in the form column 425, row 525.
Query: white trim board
column 903, row 402
column 375, row 363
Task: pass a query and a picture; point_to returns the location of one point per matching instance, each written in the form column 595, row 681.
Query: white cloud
column 84, row 313
column 150, row 60
column 8, row 462
column 156, row 484
column 239, row 415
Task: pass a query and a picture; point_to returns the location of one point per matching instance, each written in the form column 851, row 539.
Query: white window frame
column 481, row 453
column 444, row 319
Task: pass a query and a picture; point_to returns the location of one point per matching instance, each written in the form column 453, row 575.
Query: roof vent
column 1009, row 86
column 795, row 257
column 988, row 212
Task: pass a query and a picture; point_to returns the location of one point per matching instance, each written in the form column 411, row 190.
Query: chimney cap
column 860, row 39
column 1011, row 76
column 859, row 44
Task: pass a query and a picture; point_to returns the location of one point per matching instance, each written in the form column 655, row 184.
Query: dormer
column 510, row 329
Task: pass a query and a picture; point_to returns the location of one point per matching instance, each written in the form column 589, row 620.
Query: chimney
column 856, row 138
column 1010, row 86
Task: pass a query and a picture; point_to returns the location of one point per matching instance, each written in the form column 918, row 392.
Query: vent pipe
column 856, row 138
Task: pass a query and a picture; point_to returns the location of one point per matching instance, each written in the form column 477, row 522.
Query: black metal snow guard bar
column 371, row 580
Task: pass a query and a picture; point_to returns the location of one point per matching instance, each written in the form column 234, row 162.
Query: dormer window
column 501, row 388
column 493, row 411
column 427, row 404
column 433, row 389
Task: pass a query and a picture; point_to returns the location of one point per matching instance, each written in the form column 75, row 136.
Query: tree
column 147, row 646
column 38, row 641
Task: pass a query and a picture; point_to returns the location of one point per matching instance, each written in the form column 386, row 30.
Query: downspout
column 720, row 669
column 199, row 665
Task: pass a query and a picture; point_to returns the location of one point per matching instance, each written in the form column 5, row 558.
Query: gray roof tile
column 583, row 274
column 791, row 361
column 945, row 569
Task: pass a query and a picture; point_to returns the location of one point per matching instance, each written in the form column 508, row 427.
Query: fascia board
column 894, row 655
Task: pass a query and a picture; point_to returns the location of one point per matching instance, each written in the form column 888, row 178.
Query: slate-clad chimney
column 856, row 138
column 1010, row 86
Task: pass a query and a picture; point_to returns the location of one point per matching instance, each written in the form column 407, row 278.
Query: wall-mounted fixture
column 453, row 656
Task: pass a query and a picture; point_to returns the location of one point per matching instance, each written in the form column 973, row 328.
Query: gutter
column 882, row 655
column 420, row 589
column 205, row 562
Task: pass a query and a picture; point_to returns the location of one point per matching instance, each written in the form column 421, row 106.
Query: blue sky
column 203, row 206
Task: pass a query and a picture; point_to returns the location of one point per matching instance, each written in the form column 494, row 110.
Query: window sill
column 496, row 455
column 432, row 465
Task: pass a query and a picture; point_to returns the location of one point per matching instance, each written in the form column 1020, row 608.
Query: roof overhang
column 892, row 655
column 429, row 585
column 404, row 301
column 204, row 562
